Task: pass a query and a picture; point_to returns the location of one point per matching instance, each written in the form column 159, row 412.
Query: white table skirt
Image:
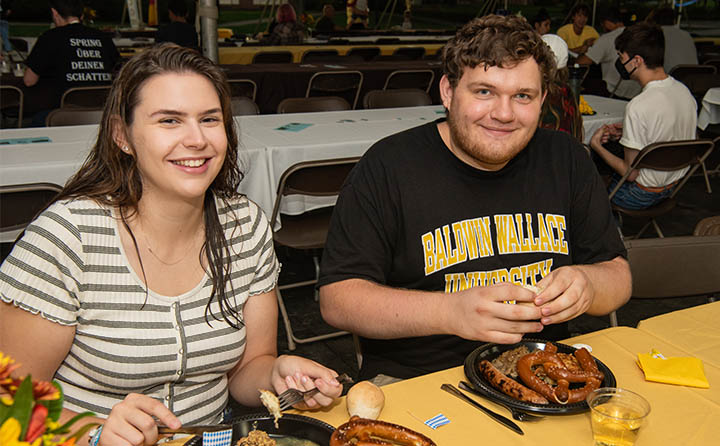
column 710, row 109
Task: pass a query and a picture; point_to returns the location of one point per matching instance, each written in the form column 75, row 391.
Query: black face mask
column 620, row 67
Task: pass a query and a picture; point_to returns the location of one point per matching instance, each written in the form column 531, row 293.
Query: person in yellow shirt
column 578, row 35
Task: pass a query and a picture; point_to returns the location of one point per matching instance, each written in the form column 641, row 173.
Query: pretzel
column 555, row 369
column 364, row 432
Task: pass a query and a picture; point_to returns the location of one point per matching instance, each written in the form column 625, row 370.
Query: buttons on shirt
column 179, row 372
column 181, row 351
column 167, row 398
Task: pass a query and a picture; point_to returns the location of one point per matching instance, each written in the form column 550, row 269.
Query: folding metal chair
column 664, row 156
column 242, row 106
column 422, row 79
column 319, row 56
column 273, row 57
column 307, row 231
column 674, row 267
column 368, row 53
column 85, row 97
column 406, row 97
column 20, row 204
column 316, row 104
column 346, row 84
column 11, row 101
column 243, row 87
column 73, row 116
column 708, row 226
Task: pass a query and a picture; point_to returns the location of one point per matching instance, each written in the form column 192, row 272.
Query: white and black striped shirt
column 71, row 268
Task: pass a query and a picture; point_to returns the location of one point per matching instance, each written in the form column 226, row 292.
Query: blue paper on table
column 25, row 140
column 293, row 127
column 218, row 438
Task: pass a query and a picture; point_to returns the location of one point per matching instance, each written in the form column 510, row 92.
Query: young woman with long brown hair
column 147, row 288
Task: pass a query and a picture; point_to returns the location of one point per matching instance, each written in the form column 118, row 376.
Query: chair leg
column 292, row 339
column 316, row 261
column 286, row 321
column 613, row 319
column 657, row 228
column 707, row 179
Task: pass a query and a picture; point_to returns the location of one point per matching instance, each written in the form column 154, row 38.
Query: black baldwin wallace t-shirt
column 412, row 215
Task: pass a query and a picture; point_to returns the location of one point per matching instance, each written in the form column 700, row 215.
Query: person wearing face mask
column 665, row 110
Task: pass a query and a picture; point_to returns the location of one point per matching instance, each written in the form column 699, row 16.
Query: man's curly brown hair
column 497, row 41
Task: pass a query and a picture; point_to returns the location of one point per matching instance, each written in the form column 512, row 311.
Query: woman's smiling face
column 178, row 135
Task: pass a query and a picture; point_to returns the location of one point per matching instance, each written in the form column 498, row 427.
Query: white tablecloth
column 710, row 111
column 608, row 111
column 269, row 144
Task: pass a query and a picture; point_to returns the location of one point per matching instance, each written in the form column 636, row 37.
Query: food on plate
column 532, row 288
column 509, row 386
column 256, row 438
column 271, row 402
column 584, row 107
column 549, row 376
column 363, row 432
column 365, row 400
column 506, row 363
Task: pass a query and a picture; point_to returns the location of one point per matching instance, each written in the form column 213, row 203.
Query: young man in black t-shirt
column 439, row 226
column 70, row 55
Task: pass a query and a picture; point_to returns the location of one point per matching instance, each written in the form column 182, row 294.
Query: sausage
column 527, row 375
column 509, row 386
column 365, row 432
column 555, row 369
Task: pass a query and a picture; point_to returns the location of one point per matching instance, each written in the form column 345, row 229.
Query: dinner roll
column 365, row 400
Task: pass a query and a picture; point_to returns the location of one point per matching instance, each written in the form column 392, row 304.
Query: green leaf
column 66, row 427
column 22, row 408
column 80, row 432
column 4, row 413
column 54, row 406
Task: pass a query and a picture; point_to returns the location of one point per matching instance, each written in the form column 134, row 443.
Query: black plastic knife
column 499, row 418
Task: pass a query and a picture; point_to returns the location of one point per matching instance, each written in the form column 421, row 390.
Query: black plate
column 290, row 425
column 492, row 351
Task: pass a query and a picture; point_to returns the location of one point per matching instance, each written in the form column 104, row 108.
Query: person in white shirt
column 664, row 111
column 603, row 52
column 679, row 46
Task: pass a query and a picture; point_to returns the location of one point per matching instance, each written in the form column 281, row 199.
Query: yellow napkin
column 681, row 371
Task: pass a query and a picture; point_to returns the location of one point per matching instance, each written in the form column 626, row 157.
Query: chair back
column 315, row 104
column 73, row 116
column 682, row 71
column 671, row 156
column 20, row 204
column 713, row 62
column 315, row 56
column 708, row 226
column 411, row 52
column 407, row 97
column 273, row 57
column 85, row 97
column 422, row 79
column 243, row 105
column 10, row 98
column 321, row 178
column 346, row 84
column 243, row 87
column 674, row 266
column 367, row 53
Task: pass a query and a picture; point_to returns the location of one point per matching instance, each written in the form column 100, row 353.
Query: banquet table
column 607, row 111
column 679, row 415
column 710, row 109
column 269, row 144
column 693, row 329
column 244, row 54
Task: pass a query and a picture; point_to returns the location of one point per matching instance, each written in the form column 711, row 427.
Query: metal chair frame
column 73, row 116
column 403, row 72
column 92, row 92
column 313, row 104
column 348, row 73
column 21, row 100
column 9, row 229
column 250, row 82
column 406, row 97
column 322, row 178
column 244, row 106
column 652, row 260
column 665, row 156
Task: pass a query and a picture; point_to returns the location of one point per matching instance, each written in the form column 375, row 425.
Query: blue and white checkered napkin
column 437, row 421
column 217, row 438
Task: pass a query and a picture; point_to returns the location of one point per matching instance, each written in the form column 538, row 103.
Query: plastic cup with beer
column 616, row 416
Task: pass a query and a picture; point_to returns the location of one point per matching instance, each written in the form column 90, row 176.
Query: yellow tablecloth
column 679, row 416
column 695, row 330
column 244, row 54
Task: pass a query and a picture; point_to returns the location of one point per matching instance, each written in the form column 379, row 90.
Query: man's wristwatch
column 95, row 435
